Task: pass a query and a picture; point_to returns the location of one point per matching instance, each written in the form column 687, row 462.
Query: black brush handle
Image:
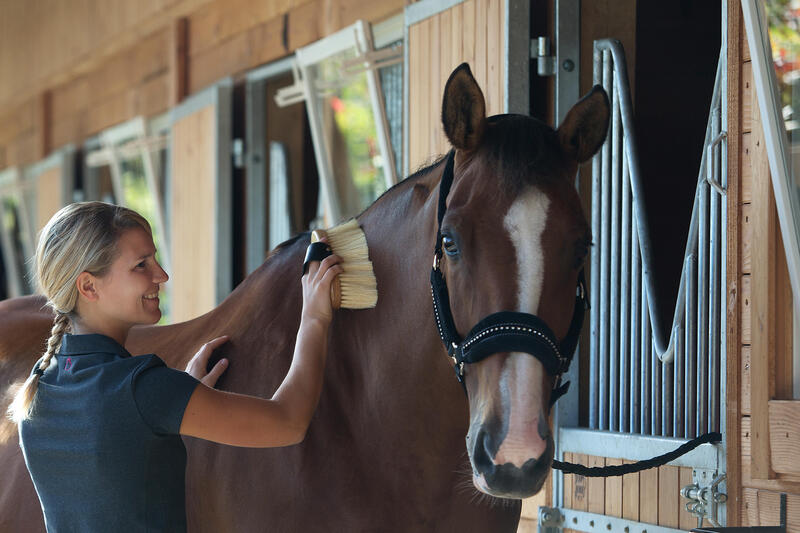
column 317, row 251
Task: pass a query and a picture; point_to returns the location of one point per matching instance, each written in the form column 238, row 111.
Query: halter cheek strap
column 506, row 331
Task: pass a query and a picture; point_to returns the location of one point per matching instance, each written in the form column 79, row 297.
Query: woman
column 99, row 429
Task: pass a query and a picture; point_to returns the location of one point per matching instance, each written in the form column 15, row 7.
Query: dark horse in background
column 386, row 448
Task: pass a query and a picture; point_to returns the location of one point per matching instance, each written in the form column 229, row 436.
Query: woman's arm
column 241, row 420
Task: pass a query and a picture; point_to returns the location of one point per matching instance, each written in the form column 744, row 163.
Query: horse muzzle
column 507, row 479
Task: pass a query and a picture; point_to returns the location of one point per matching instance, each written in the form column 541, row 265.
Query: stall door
column 199, row 202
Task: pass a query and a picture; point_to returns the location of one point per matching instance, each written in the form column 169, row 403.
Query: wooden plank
column 435, row 87
column 493, row 89
column 217, row 22
column 115, row 110
column 580, row 500
column 596, row 496
column 750, row 501
column 763, row 319
column 784, row 436
column 479, row 69
column 746, row 170
column 569, row 483
column 150, row 56
column 748, row 98
column 414, row 58
column 747, row 238
column 193, row 183
column 22, row 150
column 468, row 33
column 48, row 196
column 70, row 129
column 528, row 525
column 784, row 320
column 745, row 381
column 614, row 491
column 69, row 98
column 648, row 496
column 304, row 25
column 746, row 313
column 44, row 124
column 668, row 496
column 745, row 48
column 151, row 97
column 630, row 495
column 686, row 520
column 178, row 51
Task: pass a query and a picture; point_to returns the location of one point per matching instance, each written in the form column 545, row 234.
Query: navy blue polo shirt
column 102, row 444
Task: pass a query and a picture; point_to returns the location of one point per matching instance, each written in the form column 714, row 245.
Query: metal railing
column 642, row 381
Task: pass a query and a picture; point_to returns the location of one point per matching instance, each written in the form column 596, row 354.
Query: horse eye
column 449, row 245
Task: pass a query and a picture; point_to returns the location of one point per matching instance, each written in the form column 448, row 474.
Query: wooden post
column 734, row 267
column 763, row 300
column 178, row 61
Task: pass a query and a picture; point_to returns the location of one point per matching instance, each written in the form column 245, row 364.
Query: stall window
column 345, row 103
column 127, row 168
column 16, row 236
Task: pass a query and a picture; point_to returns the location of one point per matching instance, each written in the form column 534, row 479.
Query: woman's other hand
column 198, row 364
column 317, row 288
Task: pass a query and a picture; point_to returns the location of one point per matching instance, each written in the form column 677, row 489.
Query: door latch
column 704, row 500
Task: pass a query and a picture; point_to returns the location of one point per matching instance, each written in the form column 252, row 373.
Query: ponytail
column 20, row 407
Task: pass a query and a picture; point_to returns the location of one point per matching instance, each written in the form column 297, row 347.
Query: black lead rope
column 621, row 470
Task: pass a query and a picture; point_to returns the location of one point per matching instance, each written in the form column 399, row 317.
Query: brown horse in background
column 385, row 450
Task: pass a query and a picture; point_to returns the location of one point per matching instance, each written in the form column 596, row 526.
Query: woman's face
column 128, row 292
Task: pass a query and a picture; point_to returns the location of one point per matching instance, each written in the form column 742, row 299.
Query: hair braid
column 20, row 408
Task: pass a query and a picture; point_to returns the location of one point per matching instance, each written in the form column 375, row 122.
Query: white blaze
column 525, row 223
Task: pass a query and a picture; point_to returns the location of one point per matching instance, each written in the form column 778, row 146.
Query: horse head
column 514, row 238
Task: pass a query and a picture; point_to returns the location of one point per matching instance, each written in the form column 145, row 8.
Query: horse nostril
column 481, row 453
column 543, row 428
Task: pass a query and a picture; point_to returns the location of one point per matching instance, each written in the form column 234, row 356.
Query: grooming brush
column 355, row 287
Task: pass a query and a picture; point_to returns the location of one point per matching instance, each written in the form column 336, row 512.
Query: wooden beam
column 733, row 320
column 763, row 319
column 178, row 51
column 784, row 435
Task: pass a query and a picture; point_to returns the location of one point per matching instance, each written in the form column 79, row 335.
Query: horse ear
column 463, row 110
column 585, row 127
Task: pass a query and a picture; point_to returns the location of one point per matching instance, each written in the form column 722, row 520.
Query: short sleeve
column 161, row 395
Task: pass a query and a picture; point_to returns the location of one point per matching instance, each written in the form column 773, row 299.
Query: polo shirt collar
column 91, row 343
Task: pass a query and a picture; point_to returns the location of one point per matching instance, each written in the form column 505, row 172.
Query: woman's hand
column 317, row 288
column 198, row 364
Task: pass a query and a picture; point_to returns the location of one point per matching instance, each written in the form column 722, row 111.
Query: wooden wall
column 471, row 31
column 70, row 70
column 763, row 441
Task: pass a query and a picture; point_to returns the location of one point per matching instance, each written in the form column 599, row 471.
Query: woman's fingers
column 211, row 378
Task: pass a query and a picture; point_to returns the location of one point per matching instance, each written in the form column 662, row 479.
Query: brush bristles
column 359, row 288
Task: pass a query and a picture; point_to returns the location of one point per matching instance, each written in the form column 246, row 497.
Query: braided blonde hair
column 81, row 237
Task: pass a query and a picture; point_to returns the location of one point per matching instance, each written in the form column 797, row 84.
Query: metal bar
column 614, row 342
column 655, row 392
column 702, row 318
column 602, row 443
column 604, row 265
column 646, row 365
column 599, row 523
column 625, row 298
column 678, row 384
column 636, row 328
column 594, row 313
column 714, row 289
column 690, row 367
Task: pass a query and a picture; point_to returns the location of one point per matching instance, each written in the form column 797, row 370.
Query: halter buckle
column 437, row 259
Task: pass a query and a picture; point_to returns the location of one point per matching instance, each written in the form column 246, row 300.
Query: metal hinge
column 545, row 60
column 704, row 497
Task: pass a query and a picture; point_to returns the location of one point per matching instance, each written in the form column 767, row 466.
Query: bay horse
column 386, row 448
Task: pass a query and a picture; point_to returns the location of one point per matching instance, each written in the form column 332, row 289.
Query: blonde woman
column 100, row 429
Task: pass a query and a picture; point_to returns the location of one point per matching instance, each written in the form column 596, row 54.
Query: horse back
column 24, row 326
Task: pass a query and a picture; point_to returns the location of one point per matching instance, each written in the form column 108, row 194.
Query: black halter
column 506, row 331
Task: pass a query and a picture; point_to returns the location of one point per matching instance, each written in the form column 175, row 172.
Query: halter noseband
column 506, row 331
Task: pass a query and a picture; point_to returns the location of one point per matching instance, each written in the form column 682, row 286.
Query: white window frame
column 12, row 185
column 357, row 36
